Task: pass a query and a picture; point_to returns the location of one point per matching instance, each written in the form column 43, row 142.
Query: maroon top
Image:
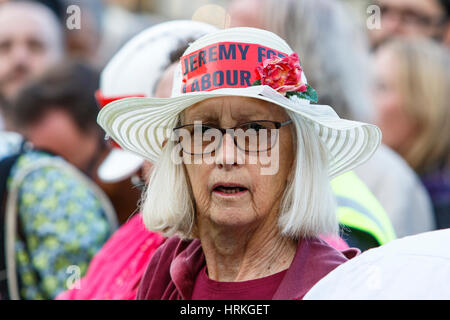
column 257, row 289
column 173, row 269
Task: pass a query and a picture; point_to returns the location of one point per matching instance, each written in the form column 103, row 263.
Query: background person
column 55, row 216
column 412, row 95
column 58, row 113
column 30, row 42
column 412, row 18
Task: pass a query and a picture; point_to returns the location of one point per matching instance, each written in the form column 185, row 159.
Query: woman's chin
column 231, row 217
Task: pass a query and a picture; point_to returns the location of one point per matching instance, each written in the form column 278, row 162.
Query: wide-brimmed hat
column 237, row 62
column 134, row 71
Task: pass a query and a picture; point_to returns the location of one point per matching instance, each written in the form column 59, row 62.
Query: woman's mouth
column 229, row 190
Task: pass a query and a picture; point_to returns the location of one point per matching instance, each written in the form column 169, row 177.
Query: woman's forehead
column 238, row 107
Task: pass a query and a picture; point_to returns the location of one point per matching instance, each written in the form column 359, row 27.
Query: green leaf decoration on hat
column 256, row 82
column 310, row 94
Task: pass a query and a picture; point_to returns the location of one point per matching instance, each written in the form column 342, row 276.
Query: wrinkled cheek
column 262, row 198
column 197, row 180
column 271, row 190
column 202, row 200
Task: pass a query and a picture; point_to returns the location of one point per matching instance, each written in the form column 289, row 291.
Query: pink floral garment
column 116, row 271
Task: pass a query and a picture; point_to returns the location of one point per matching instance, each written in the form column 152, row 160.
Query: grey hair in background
column 332, row 48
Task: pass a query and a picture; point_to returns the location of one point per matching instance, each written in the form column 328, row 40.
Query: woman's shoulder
column 166, row 253
column 322, row 258
column 157, row 278
column 323, row 251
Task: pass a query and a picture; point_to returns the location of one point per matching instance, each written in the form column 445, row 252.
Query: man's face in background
column 29, row 43
column 410, row 18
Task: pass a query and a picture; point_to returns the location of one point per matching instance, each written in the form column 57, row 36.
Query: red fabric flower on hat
column 282, row 74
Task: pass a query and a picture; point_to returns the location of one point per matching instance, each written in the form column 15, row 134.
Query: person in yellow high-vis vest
column 364, row 222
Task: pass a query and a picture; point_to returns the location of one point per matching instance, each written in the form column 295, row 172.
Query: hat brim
column 141, row 125
column 119, row 165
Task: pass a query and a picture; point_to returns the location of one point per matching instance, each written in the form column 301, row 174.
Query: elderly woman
column 242, row 169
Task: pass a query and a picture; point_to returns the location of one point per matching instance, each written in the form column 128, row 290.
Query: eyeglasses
column 410, row 17
column 253, row 136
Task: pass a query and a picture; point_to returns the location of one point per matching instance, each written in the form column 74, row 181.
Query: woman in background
column 412, row 97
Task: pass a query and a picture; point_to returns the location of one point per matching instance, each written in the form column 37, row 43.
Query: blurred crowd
column 58, row 208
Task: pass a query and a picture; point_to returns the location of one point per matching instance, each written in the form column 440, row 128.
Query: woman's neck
column 240, row 254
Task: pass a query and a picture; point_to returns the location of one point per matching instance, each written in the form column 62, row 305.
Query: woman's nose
column 227, row 155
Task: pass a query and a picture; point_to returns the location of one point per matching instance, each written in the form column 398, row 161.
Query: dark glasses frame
column 277, row 125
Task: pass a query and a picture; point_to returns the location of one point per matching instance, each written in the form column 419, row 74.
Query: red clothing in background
column 116, row 270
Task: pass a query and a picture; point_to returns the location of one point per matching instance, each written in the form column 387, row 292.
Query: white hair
column 307, row 208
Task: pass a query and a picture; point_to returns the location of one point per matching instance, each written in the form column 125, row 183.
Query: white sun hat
column 134, row 71
column 220, row 64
